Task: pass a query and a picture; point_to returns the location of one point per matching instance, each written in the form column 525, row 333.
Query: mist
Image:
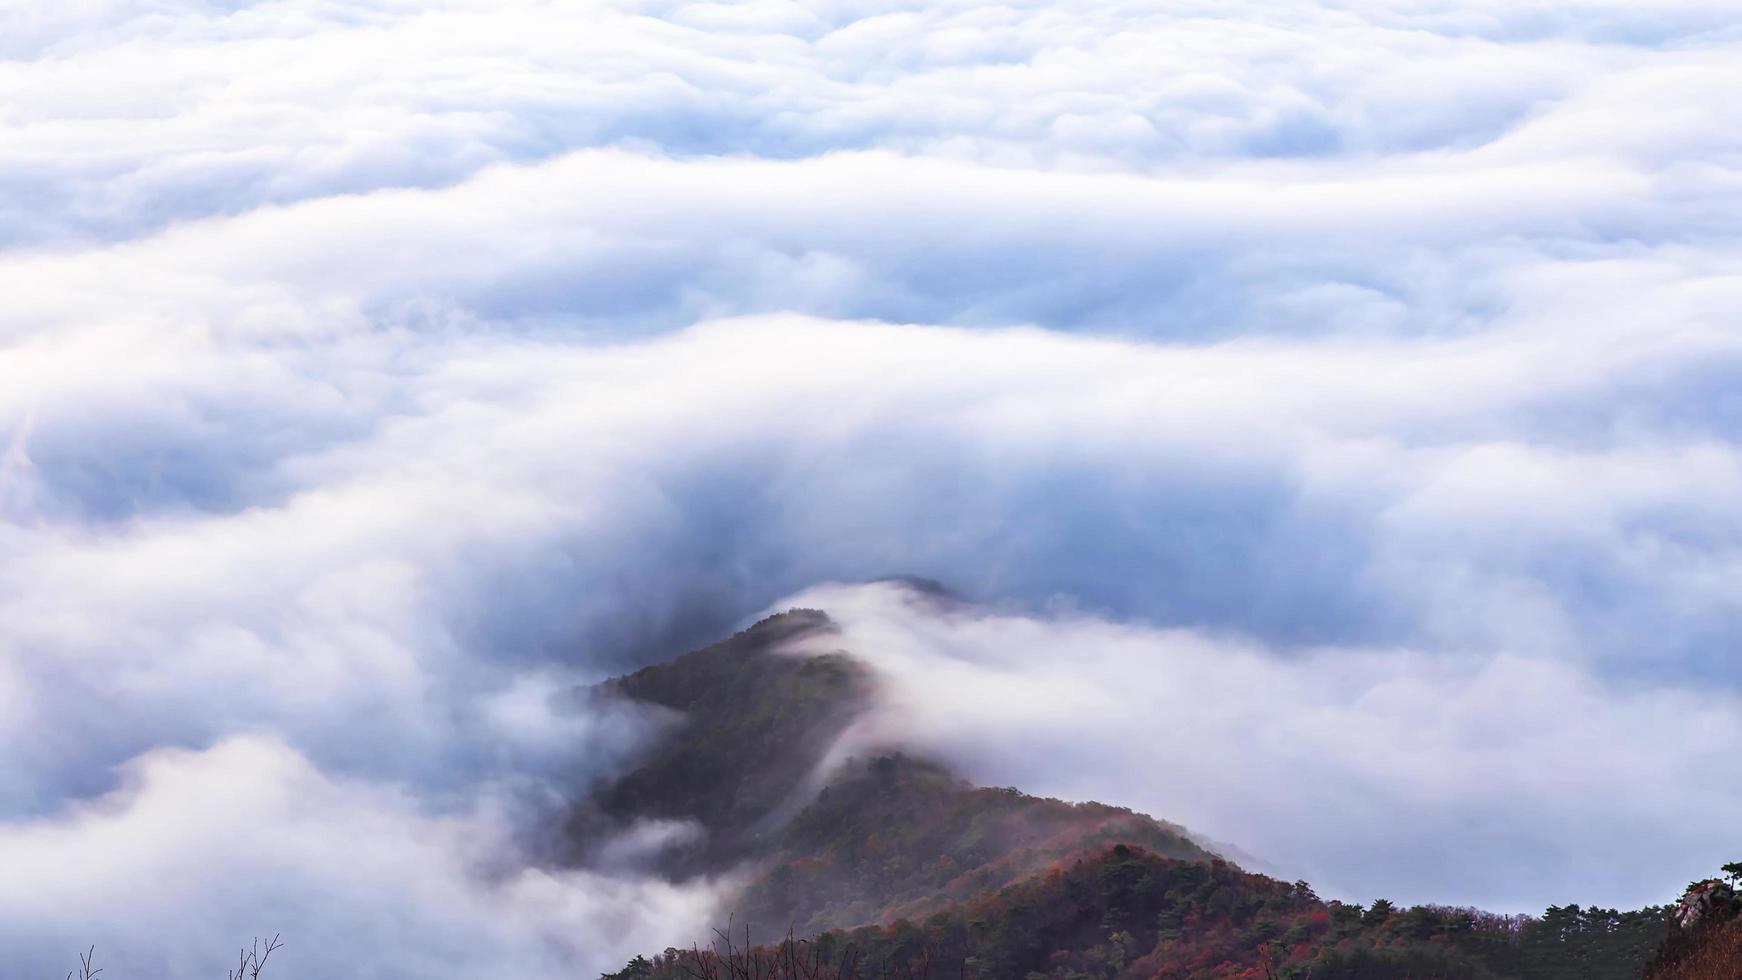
column 1342, row 760
column 1327, row 414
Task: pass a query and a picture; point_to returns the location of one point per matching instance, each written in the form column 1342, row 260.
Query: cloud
column 125, row 119
column 371, row 376
column 637, row 496
column 1330, row 756
column 621, row 243
column 196, row 849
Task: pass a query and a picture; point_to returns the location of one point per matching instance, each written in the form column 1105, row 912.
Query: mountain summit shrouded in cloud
column 1325, row 416
column 791, row 762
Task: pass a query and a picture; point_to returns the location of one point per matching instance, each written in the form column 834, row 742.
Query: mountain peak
column 747, row 724
column 745, row 774
column 897, row 857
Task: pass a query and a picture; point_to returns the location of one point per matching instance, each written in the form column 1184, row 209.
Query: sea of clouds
column 1333, row 409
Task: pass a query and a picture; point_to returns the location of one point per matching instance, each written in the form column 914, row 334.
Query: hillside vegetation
column 901, row 837
column 1126, row 913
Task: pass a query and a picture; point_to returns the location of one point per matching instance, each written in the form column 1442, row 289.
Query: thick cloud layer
column 1378, row 772
column 368, row 884
column 369, row 375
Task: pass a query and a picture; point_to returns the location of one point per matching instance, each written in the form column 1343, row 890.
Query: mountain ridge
column 894, row 857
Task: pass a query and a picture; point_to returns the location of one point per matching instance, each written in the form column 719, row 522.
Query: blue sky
column 371, row 372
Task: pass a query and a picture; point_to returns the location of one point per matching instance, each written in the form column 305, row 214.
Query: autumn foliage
column 1126, row 913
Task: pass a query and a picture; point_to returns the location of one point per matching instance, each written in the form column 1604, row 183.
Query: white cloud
column 197, row 849
column 371, row 373
column 126, row 116
column 1520, row 770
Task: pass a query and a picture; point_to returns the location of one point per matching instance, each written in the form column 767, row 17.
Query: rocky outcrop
column 1705, row 942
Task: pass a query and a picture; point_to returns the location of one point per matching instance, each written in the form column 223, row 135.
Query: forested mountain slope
column 746, row 727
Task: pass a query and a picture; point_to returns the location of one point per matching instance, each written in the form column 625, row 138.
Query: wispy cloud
column 1336, row 763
